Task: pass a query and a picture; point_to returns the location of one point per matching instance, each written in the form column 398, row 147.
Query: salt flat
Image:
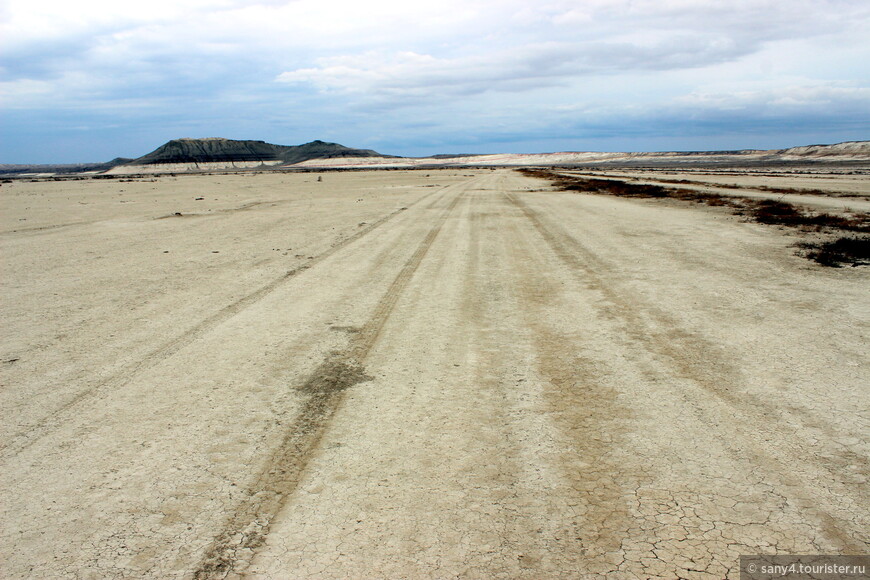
column 453, row 373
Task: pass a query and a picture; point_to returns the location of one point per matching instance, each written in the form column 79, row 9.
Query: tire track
column 684, row 351
column 582, row 404
column 677, row 345
column 27, row 437
column 246, row 530
column 40, row 229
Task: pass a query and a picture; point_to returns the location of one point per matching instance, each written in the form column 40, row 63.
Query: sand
column 411, row 374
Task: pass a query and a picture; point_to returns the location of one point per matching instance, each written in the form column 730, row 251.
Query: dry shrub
column 766, row 211
column 769, row 211
column 835, row 253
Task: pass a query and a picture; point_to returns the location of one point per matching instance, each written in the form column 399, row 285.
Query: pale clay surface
column 400, row 374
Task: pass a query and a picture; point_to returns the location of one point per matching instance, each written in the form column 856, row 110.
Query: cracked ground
column 402, row 374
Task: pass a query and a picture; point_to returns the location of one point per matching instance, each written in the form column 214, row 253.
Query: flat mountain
column 218, row 150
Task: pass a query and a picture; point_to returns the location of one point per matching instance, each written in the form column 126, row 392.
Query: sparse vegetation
column 769, row 211
column 852, row 250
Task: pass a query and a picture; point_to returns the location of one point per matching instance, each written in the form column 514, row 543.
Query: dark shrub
column 835, row 253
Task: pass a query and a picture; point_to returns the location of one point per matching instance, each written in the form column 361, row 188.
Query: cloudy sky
column 94, row 79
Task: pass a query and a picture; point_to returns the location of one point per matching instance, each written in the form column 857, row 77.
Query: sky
column 92, row 80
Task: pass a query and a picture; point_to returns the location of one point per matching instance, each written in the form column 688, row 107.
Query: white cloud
column 457, row 64
column 523, row 68
column 559, row 43
column 785, row 99
column 19, row 91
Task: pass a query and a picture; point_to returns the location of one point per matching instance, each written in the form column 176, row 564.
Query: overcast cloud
column 90, row 80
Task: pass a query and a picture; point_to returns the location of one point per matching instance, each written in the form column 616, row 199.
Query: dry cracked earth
column 401, row 374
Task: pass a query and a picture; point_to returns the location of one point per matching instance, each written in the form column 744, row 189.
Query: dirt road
column 409, row 375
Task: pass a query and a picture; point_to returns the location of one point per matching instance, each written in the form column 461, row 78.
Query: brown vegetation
column 835, row 253
column 852, row 250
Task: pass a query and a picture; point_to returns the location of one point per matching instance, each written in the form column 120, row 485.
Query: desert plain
column 446, row 373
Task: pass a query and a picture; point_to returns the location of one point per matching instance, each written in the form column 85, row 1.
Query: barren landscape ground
column 402, row 374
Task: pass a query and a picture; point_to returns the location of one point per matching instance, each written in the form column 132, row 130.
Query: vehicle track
column 247, row 528
column 23, row 439
column 708, row 366
column 502, row 383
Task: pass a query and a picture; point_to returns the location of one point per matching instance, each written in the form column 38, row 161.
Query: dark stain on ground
column 347, row 329
column 247, row 527
column 250, row 524
column 333, row 375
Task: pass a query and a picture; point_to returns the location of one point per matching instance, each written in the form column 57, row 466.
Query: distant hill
column 196, row 155
column 856, row 148
column 63, row 169
column 217, row 150
column 850, row 153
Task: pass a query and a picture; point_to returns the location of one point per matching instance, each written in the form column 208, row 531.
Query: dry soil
column 401, row 374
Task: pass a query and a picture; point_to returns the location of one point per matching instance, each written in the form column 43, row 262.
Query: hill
column 182, row 155
column 218, row 150
column 848, row 154
column 62, row 169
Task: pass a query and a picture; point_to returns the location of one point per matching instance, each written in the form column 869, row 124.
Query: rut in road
column 127, row 373
column 705, row 365
column 325, row 388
